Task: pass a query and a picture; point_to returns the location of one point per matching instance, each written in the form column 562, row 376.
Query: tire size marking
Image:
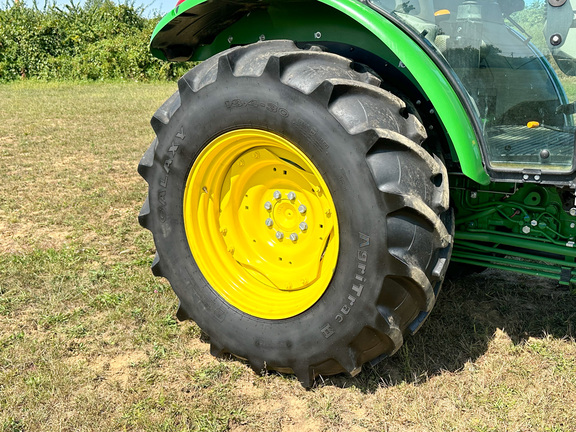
column 312, row 134
column 357, row 285
column 168, row 161
column 254, row 103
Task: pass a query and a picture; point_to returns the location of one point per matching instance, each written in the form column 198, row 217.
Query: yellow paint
column 229, row 203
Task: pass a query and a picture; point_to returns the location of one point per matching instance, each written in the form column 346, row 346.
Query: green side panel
column 527, row 228
column 198, row 29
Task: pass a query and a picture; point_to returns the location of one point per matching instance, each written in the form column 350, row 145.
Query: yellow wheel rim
column 261, row 223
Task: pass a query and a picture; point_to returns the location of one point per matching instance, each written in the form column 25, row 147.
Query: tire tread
column 335, row 81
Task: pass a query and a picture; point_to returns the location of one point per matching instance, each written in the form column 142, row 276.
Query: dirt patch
column 119, row 369
column 22, row 237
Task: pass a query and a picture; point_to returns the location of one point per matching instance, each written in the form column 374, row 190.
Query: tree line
column 93, row 41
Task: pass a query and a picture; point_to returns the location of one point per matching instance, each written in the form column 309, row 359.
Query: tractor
column 325, row 161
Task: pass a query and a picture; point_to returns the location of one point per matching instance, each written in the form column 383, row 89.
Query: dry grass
column 88, row 340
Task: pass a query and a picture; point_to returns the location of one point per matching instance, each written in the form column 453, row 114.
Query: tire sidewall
column 265, row 103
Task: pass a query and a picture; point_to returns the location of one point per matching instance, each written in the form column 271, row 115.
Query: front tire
column 350, row 273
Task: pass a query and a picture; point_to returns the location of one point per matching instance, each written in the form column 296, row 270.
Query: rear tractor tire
column 294, row 211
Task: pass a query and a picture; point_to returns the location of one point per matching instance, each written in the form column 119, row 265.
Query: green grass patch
column 89, row 340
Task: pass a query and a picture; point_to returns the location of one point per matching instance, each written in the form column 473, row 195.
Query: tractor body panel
column 197, row 30
column 484, row 79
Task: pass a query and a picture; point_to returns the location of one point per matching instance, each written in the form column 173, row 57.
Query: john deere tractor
column 315, row 174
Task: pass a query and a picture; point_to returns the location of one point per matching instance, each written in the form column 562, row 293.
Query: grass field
column 89, row 342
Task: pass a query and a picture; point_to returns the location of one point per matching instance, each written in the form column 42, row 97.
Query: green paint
column 548, row 272
column 359, row 25
column 320, row 23
column 473, row 253
column 524, row 228
column 515, row 242
column 486, row 252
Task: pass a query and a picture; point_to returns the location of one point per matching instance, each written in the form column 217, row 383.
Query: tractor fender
column 198, row 29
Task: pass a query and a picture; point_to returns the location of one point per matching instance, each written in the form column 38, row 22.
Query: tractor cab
column 521, row 110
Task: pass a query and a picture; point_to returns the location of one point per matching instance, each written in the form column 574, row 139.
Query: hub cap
column 261, row 223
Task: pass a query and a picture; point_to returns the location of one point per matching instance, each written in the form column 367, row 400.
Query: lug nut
column 279, row 235
column 268, row 205
column 291, row 196
column 294, row 237
column 269, row 222
column 302, row 209
column 277, row 195
column 303, row 226
column 526, row 229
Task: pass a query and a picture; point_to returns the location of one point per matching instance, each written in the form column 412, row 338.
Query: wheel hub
column 284, row 215
column 261, row 223
column 271, row 242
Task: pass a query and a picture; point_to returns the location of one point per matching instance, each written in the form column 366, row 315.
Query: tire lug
column 293, row 237
column 302, row 209
column 303, row 226
column 279, row 235
column 277, row 195
column 291, row 196
column 268, row 205
column 269, row 222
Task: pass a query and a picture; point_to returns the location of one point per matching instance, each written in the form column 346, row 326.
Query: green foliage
column 98, row 40
column 532, row 19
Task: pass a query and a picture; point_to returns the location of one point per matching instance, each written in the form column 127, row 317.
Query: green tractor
column 313, row 177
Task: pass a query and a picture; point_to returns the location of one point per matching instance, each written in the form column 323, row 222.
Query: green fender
column 197, row 29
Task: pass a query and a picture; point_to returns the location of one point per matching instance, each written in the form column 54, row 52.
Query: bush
column 532, row 19
column 99, row 40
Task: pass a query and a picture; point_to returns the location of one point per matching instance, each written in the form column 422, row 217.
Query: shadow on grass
column 459, row 329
